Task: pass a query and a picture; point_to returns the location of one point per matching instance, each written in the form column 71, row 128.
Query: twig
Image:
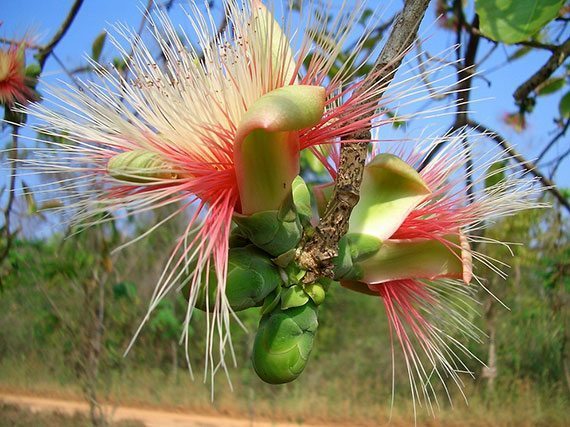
column 140, row 30
column 19, row 42
column 557, row 162
column 46, row 50
column 464, row 82
column 9, row 236
column 318, row 250
column 527, row 165
column 221, row 28
column 553, row 141
column 558, row 56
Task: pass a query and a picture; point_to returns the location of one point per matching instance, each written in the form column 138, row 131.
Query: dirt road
column 151, row 418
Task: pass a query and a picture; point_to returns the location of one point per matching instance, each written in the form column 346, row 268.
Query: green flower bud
column 275, row 232
column 139, row 166
column 284, row 342
column 251, row 278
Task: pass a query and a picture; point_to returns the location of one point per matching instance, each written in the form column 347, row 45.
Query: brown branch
column 46, row 50
column 142, row 25
column 558, row 161
column 8, row 234
column 527, row 165
column 553, row 141
column 558, row 57
column 318, row 250
column 19, row 42
column 464, row 86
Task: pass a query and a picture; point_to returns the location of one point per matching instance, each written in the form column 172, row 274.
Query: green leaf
column 550, row 86
column 564, row 106
column 119, row 64
column 97, row 46
column 512, row 21
column 495, row 174
column 30, row 199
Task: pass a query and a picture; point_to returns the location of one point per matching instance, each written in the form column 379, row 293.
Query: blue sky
column 43, row 17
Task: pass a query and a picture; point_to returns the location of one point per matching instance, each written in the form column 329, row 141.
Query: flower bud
column 275, row 232
column 284, row 342
column 251, row 278
column 139, row 166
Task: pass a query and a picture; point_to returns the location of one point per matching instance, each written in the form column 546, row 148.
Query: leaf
column 30, row 199
column 512, row 21
column 519, row 53
column 550, row 86
column 564, row 106
column 119, row 64
column 97, row 46
column 495, row 174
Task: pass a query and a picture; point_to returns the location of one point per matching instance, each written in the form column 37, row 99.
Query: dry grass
column 303, row 402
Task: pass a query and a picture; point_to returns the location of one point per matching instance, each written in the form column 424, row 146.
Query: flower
column 15, row 84
column 218, row 131
column 410, row 239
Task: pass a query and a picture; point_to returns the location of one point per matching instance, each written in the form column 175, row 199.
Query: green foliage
column 495, row 174
column 511, row 21
column 551, row 86
column 564, row 106
column 97, row 46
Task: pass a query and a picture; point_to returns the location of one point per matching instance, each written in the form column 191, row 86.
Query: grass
column 311, row 400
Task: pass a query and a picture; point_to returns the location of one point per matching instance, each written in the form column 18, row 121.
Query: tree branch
column 318, row 250
column 45, row 51
column 8, row 234
column 559, row 55
column 553, row 141
column 527, row 165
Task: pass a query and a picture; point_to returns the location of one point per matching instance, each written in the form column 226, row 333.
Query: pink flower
column 219, row 132
column 411, row 233
column 14, row 85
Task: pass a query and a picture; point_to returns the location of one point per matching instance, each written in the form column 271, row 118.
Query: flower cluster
column 220, row 132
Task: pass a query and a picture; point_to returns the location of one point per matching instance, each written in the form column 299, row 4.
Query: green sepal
column 316, row 292
column 343, row 262
column 237, row 240
column 283, row 343
column 293, row 296
column 362, row 246
column 285, row 259
column 302, row 200
column 271, row 301
column 276, row 232
column 251, row 278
